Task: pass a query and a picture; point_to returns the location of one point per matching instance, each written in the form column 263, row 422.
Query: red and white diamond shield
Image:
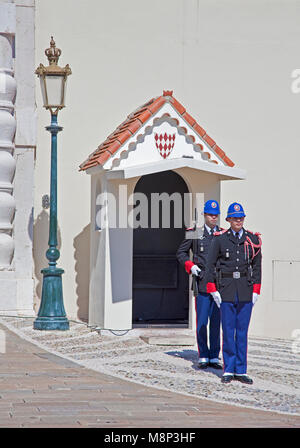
column 164, row 143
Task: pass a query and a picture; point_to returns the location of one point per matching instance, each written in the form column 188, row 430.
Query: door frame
column 164, row 325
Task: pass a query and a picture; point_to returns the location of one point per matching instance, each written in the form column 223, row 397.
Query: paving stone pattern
column 272, row 364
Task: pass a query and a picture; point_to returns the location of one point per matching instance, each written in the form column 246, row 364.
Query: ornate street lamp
column 52, row 315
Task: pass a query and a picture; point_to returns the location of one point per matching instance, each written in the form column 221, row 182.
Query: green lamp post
column 52, row 315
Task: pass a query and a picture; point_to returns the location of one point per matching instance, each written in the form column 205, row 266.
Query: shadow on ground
column 191, row 356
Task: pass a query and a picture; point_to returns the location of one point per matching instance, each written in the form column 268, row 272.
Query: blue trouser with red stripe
column 235, row 319
column 207, row 309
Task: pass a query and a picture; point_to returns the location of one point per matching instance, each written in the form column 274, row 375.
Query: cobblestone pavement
column 271, row 363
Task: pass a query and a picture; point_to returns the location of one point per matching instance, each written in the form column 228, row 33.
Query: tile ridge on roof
column 136, row 119
column 131, row 125
column 199, row 130
column 143, row 106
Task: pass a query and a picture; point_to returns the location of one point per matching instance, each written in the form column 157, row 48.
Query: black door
column 160, row 284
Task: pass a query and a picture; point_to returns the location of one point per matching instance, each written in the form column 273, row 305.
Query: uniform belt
column 235, row 274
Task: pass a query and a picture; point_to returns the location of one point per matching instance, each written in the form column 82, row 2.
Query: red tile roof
column 136, row 120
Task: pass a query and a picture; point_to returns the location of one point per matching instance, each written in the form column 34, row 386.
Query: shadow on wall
column 82, row 269
column 40, row 246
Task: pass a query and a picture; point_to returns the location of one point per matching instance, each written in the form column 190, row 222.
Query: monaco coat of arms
column 164, row 143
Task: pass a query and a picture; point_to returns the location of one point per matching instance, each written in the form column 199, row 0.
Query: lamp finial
column 53, row 53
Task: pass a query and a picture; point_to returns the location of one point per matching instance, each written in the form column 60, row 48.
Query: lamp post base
column 51, row 323
column 52, row 314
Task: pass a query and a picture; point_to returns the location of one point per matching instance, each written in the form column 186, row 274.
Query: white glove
column 195, row 270
column 254, row 298
column 217, row 298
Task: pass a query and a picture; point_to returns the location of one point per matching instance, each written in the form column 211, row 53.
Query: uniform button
column 237, row 252
column 236, row 268
column 237, row 259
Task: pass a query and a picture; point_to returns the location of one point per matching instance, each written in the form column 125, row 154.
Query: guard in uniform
column 238, row 252
column 199, row 241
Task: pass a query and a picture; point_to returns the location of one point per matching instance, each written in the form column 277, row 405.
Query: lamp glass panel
column 65, row 89
column 54, row 85
column 43, row 89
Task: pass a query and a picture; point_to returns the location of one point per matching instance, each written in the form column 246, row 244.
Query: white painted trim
column 95, row 170
column 225, row 172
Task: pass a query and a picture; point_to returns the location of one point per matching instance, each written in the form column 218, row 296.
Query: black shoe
column 226, row 378
column 243, row 379
column 203, row 365
column 216, row 365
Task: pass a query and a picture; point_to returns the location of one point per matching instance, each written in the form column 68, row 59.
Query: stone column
column 17, row 146
column 8, row 89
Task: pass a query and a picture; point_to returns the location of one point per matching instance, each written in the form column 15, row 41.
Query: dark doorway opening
column 160, row 284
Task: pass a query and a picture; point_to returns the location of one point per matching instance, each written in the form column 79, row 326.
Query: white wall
column 230, row 63
column 110, row 292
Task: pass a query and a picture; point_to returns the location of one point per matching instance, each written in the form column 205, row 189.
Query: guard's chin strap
column 248, row 242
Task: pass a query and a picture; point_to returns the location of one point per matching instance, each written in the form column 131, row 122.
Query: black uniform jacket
column 232, row 256
column 200, row 248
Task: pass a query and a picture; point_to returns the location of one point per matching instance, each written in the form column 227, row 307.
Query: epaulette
column 253, row 233
column 190, row 228
column 220, row 232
